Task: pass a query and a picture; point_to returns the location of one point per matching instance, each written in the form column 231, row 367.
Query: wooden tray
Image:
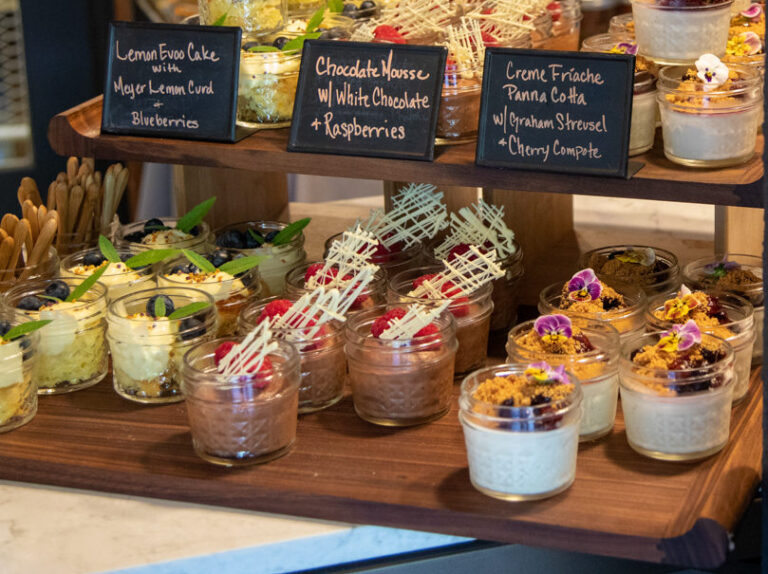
column 77, row 132
column 342, row 468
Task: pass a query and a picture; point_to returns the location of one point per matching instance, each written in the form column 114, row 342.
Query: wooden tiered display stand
column 341, row 468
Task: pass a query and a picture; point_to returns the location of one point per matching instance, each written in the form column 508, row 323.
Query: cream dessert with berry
column 18, row 391
column 186, row 232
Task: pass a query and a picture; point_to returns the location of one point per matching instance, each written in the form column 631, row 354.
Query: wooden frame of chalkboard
column 218, row 111
column 305, row 108
column 617, row 101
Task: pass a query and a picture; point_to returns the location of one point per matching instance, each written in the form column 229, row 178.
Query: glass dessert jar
column 679, row 32
column 393, row 260
column 681, row 413
column 622, row 24
column 459, row 104
column 255, row 17
column 18, row 391
column 653, row 269
column 322, row 358
column 72, row 351
column 542, row 30
column 119, row 279
column 566, row 27
column 46, row 269
column 400, row 382
column 520, row 452
column 145, row 235
column 241, row 420
column 147, row 350
column 472, row 314
column 590, row 352
column 737, row 274
column 709, row 128
column 267, row 88
column 374, row 294
column 282, row 258
column 726, row 316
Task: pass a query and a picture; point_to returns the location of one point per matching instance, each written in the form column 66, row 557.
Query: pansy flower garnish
column 744, row 44
column 624, row 48
column 543, row 373
column 754, row 11
column 720, row 268
column 645, row 256
column 679, row 307
column 553, row 328
column 584, row 286
column 680, row 337
column 711, row 71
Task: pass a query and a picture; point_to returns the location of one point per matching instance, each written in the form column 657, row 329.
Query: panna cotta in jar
column 653, row 269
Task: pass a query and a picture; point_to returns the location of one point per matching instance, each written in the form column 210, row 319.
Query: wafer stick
column 29, row 212
column 73, row 164
column 109, row 197
column 33, row 192
column 42, row 211
column 43, row 243
column 90, row 162
column 62, row 207
column 82, row 173
column 76, row 195
column 22, row 194
column 121, row 184
column 50, row 201
column 3, row 234
column 6, row 248
column 88, row 213
column 22, row 230
column 9, row 222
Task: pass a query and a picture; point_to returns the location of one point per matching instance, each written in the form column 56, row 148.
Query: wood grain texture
column 76, row 132
column 738, row 230
column 342, row 468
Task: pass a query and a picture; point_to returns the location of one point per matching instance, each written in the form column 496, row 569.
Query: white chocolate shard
column 415, row 319
column 476, row 225
column 419, row 18
column 467, row 273
column 466, row 47
column 246, row 357
column 346, row 257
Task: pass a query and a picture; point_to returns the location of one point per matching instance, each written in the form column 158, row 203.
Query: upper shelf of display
column 77, row 132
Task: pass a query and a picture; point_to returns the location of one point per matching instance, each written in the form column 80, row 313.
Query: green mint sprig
column 255, row 236
column 221, row 19
column 86, row 285
column 188, row 310
column 160, row 309
column 150, row 257
column 195, row 215
column 297, row 44
column 24, row 329
column 108, row 250
column 335, row 5
column 199, row 261
column 243, row 264
column 287, row 234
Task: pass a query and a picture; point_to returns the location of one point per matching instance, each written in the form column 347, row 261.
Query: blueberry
column 135, row 237
column 5, row 326
column 218, row 257
column 191, row 328
column 195, row 230
column 335, row 33
column 279, row 42
column 368, row 5
column 349, row 10
column 250, row 241
column 232, row 239
column 610, row 303
column 179, row 269
column 93, row 258
column 151, row 305
column 155, row 224
column 30, row 303
column 325, row 35
column 269, row 237
column 57, row 289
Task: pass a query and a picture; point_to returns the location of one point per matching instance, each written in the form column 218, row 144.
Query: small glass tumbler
column 400, row 382
column 677, row 415
column 597, row 371
column 147, row 352
column 133, row 235
column 236, row 421
column 374, row 294
column 663, row 277
column 519, row 453
column 18, row 390
column 72, row 350
column 118, row 278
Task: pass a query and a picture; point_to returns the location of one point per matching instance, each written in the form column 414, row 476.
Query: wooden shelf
column 77, row 132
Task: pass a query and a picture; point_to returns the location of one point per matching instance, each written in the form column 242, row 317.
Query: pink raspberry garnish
column 274, row 309
column 382, row 323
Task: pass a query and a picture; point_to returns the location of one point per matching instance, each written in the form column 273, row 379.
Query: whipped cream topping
column 65, row 320
column 255, row 64
column 144, row 345
column 11, row 363
column 165, row 237
column 116, row 273
column 220, row 284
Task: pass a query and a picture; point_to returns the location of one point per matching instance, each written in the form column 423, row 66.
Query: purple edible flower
column 627, row 47
column 753, row 11
column 553, row 327
column 720, row 268
column 543, row 373
column 681, row 337
column 584, row 286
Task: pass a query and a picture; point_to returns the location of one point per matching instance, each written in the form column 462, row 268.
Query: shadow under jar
column 661, row 276
column 282, row 258
column 72, row 350
column 241, row 420
column 472, row 314
column 392, row 261
column 744, row 278
column 597, row 370
column 738, row 330
column 519, row 453
column 138, row 235
column 677, row 415
column 400, row 382
column 147, row 352
column 322, row 359
column 18, row 388
column 374, row 294
column 714, row 128
column 118, row 278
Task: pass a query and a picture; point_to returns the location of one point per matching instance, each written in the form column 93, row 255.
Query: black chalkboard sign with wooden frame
column 556, row 111
column 174, row 81
column 377, row 100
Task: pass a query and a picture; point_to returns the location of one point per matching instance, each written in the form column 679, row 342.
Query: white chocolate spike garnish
column 419, row 18
column 467, row 273
column 363, row 32
column 346, row 256
column 415, row 319
column 466, row 46
column 478, row 224
column 246, row 357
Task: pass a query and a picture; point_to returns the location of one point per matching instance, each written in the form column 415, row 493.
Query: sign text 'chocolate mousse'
column 368, row 99
column 556, row 111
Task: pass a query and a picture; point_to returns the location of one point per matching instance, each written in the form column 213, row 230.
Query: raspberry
column 383, row 254
column 274, row 309
column 460, row 249
column 382, row 323
column 388, row 34
column 489, row 40
column 430, row 329
column 315, row 268
column 222, row 351
column 419, row 280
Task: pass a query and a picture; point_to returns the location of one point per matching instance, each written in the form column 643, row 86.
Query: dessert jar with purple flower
column 676, row 390
column 653, row 269
column 521, row 429
column 588, row 349
column 737, row 274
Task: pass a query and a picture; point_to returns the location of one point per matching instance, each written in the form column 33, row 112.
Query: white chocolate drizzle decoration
column 415, row 319
column 419, row 18
column 507, row 19
column 466, row 46
column 478, row 224
column 246, row 357
column 347, row 256
column 466, row 273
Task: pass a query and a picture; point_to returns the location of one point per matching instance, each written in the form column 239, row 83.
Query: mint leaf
column 221, row 19
column 298, row 43
column 256, row 237
column 243, row 264
column 288, row 233
column 108, row 250
column 150, row 257
column 24, row 329
column 188, row 310
column 201, row 262
column 262, row 49
column 336, row 5
column 195, row 215
column 159, row 310
column 87, row 283
column 314, row 21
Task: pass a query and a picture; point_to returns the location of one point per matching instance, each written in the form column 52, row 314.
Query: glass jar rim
column 96, row 294
column 634, row 294
column 250, row 313
column 52, row 260
column 399, row 280
column 406, row 253
column 670, row 77
column 593, row 326
column 654, row 5
column 670, row 258
column 697, row 264
column 430, row 246
column 666, row 376
column 295, row 277
column 127, row 228
column 297, row 241
column 740, row 303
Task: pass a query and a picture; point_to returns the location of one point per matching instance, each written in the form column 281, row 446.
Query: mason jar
column 254, row 17
column 48, row 268
column 135, row 236
column 566, row 27
column 459, row 104
column 662, row 277
column 18, row 387
column 119, row 279
column 267, row 88
column 392, row 261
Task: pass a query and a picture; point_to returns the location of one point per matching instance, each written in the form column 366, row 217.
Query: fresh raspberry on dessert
column 382, row 323
column 226, row 347
column 489, row 40
column 430, row 329
column 385, row 33
column 460, row 249
column 383, row 253
column 274, row 309
column 419, row 280
column 315, row 268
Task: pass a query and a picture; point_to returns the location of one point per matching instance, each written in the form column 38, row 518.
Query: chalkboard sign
column 368, row 99
column 556, row 111
column 173, row 81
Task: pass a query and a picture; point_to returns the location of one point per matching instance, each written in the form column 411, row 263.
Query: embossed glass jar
column 267, row 88
column 18, row 388
column 118, row 279
column 664, row 279
column 197, row 241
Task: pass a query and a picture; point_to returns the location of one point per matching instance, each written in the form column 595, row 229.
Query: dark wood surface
column 344, row 469
column 77, row 132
